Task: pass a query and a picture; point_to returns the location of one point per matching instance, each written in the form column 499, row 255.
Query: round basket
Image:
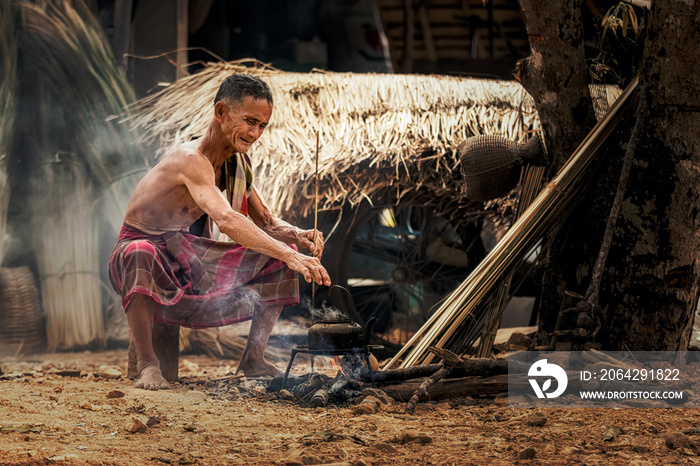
column 489, row 166
column 22, row 330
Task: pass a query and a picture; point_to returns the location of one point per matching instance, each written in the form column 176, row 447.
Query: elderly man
column 166, row 273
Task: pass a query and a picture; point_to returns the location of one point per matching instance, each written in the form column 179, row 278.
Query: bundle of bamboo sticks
column 551, row 205
column 529, row 186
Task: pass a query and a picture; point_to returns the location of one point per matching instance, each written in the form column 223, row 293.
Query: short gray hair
column 238, row 86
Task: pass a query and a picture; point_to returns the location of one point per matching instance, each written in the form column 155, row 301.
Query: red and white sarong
column 198, row 282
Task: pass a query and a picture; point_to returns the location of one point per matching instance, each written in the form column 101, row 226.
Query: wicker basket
column 22, row 328
column 491, row 164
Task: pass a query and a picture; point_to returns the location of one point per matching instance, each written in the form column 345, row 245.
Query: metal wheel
column 399, row 262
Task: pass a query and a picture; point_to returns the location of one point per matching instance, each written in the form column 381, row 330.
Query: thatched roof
column 382, row 136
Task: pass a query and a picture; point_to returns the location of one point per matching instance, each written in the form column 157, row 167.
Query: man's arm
column 280, row 230
column 200, row 182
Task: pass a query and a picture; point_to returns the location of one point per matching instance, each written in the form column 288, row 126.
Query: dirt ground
column 75, row 408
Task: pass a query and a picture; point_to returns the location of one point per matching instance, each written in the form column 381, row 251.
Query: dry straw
column 82, row 166
column 382, row 137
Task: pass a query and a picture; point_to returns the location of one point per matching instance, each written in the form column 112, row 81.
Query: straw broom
column 551, row 204
column 65, row 239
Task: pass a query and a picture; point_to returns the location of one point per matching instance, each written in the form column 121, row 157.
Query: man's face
column 243, row 123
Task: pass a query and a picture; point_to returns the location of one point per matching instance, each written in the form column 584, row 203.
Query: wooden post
column 122, row 33
column 182, row 32
column 409, row 37
column 427, row 33
column 166, row 344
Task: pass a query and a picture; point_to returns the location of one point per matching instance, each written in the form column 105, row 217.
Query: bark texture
column 556, row 76
column 652, row 285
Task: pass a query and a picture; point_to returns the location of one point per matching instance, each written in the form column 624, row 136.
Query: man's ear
column 220, row 109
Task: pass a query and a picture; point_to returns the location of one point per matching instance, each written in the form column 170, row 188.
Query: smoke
column 325, row 312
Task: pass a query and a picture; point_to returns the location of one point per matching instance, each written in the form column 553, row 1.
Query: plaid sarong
column 199, row 282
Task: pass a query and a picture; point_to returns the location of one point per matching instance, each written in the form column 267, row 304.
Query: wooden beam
column 121, row 41
column 409, row 37
column 427, row 33
column 182, row 33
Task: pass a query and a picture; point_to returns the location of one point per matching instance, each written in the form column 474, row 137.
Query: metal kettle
column 340, row 333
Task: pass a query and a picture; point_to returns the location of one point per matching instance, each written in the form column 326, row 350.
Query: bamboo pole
column 553, row 202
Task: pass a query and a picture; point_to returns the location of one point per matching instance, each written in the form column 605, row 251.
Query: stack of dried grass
column 74, row 157
column 382, row 137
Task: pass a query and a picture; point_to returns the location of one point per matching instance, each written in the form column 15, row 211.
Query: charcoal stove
column 336, row 337
column 362, row 352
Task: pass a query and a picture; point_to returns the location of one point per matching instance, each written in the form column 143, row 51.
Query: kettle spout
column 368, row 331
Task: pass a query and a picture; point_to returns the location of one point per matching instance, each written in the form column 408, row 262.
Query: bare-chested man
column 167, row 274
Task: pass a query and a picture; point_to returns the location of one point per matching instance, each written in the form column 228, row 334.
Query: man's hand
column 310, row 267
column 305, row 239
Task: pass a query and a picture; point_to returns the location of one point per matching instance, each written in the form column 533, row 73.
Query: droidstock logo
column 542, row 369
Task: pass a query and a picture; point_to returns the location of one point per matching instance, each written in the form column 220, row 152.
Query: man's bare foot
column 258, row 369
column 151, row 379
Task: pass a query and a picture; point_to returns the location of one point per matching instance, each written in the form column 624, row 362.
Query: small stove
column 363, row 352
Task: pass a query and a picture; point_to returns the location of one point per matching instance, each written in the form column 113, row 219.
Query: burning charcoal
column 320, row 398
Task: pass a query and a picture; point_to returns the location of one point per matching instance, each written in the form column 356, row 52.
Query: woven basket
column 491, row 164
column 22, row 328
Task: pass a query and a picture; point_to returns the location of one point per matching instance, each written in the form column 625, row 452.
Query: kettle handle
column 368, row 330
column 342, row 299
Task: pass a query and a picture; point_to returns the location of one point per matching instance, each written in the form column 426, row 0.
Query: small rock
column 115, row 394
column 363, row 462
column 677, row 440
column 285, row 394
column 550, row 449
column 138, row 425
column 87, row 405
column 109, row 372
column 53, row 398
column 379, row 394
column 259, row 390
column 527, row 454
column 152, row 421
column 364, row 408
column 611, row 433
column 420, row 439
column 536, row 420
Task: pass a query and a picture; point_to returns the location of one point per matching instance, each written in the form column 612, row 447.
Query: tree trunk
column 652, row 279
column 556, row 76
column 650, row 288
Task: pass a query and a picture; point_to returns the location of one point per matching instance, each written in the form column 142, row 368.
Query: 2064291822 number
column 640, row 374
